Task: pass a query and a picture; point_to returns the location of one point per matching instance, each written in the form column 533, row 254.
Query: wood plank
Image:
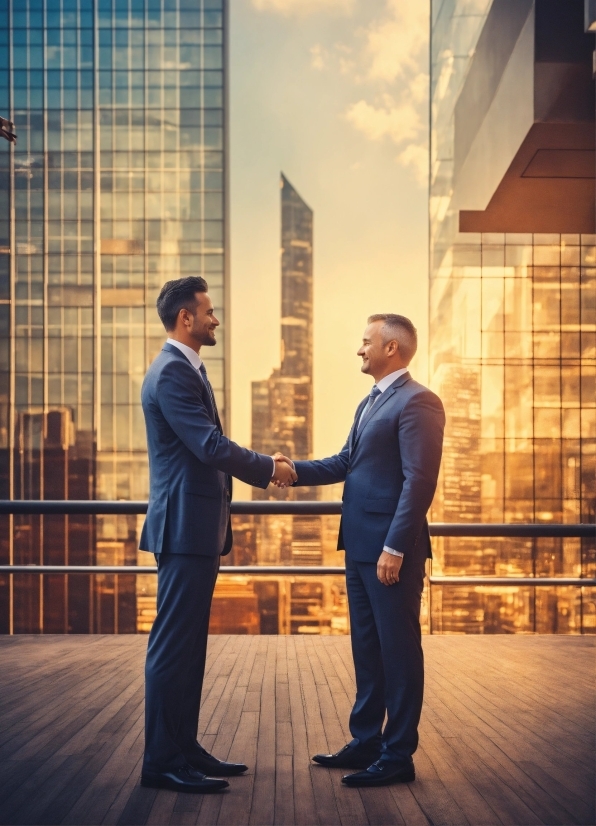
column 408, row 807
column 580, row 808
column 506, row 733
column 263, row 797
column 325, row 799
column 284, row 741
column 456, row 779
column 305, row 813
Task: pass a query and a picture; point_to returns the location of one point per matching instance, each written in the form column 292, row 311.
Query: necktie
column 371, row 400
column 203, row 372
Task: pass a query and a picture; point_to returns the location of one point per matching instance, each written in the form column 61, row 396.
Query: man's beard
column 210, row 341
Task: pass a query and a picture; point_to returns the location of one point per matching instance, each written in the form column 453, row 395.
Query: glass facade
column 117, row 184
column 513, row 338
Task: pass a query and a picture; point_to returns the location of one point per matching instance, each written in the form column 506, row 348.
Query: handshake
column 284, row 475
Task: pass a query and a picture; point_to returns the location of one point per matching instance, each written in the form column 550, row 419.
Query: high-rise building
column 283, row 403
column 513, row 302
column 282, row 419
column 117, row 184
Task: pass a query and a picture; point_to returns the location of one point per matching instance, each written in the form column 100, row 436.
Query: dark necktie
column 203, row 372
column 371, row 400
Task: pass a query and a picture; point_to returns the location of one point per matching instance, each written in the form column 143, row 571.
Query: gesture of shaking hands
column 284, row 475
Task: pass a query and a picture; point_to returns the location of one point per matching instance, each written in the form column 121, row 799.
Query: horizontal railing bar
column 301, row 570
column 520, row 530
column 306, row 508
column 295, row 570
column 513, row 580
column 82, row 507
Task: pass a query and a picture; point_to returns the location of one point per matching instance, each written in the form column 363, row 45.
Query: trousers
column 176, row 654
column 388, row 659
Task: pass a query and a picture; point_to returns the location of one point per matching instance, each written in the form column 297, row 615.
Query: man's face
column 203, row 323
column 373, row 352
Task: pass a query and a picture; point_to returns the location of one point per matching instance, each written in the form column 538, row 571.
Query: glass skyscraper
column 282, row 418
column 117, row 184
column 513, row 303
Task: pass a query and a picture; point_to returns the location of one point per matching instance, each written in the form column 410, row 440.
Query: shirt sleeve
column 392, row 552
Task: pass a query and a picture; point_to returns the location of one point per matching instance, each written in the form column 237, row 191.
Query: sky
column 333, row 93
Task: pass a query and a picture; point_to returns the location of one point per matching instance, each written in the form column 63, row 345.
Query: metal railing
column 310, row 508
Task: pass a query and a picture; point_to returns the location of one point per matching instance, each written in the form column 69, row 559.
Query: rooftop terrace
column 507, row 733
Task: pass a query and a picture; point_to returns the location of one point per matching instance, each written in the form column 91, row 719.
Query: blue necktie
column 203, row 372
column 371, row 400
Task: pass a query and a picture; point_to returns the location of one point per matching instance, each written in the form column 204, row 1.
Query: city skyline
column 120, row 180
column 334, row 94
column 117, row 183
column 282, row 419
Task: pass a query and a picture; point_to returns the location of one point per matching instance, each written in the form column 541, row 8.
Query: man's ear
column 183, row 315
column 392, row 347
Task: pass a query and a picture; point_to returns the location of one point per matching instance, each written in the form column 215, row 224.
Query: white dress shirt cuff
column 392, row 552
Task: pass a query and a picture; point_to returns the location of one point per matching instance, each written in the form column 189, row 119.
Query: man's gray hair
column 401, row 329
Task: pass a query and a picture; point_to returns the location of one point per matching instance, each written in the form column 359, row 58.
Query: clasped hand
column 284, row 475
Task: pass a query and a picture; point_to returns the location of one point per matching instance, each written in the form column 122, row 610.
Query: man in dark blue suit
column 390, row 465
column 188, row 528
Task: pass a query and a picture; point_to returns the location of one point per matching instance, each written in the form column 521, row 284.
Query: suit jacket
column 390, row 467
column 191, row 462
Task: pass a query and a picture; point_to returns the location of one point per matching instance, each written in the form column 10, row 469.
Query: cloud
column 394, row 44
column 393, row 57
column 419, row 88
column 303, row 8
column 415, row 156
column 317, row 57
column 398, row 121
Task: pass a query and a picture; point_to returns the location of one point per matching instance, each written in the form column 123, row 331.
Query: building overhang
column 527, row 164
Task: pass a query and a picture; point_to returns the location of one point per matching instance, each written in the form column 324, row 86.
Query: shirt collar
column 387, row 381
column 190, row 354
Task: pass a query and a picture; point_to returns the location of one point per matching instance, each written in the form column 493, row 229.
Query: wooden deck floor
column 507, row 733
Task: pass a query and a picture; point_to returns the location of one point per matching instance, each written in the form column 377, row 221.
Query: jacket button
column 349, row 470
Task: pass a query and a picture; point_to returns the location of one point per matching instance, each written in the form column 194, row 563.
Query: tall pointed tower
column 282, row 405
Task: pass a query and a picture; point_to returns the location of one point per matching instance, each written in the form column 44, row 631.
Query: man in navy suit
column 188, row 528
column 390, row 465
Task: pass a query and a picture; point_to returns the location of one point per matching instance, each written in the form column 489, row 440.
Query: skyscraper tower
column 513, row 318
column 282, row 405
column 116, row 185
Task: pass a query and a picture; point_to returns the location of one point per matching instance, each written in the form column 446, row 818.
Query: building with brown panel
column 513, row 302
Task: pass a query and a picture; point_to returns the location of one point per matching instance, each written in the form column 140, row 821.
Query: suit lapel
column 169, row 348
column 359, row 410
column 383, row 399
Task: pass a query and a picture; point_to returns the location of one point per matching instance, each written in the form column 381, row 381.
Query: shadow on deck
column 507, row 733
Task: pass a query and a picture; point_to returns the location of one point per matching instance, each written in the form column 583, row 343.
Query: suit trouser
column 387, row 650
column 176, row 654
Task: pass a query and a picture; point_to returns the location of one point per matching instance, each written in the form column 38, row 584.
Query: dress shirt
column 190, row 354
column 387, row 381
column 197, row 363
column 383, row 384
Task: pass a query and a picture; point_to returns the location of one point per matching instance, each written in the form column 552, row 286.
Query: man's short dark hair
column 401, row 329
column 177, row 295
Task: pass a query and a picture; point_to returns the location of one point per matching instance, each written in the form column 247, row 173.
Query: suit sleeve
column 331, row 470
column 181, row 403
column 323, row 471
column 421, row 427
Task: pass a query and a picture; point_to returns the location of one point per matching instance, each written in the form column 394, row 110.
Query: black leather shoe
column 205, row 762
column 350, row 757
column 382, row 773
column 183, row 779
